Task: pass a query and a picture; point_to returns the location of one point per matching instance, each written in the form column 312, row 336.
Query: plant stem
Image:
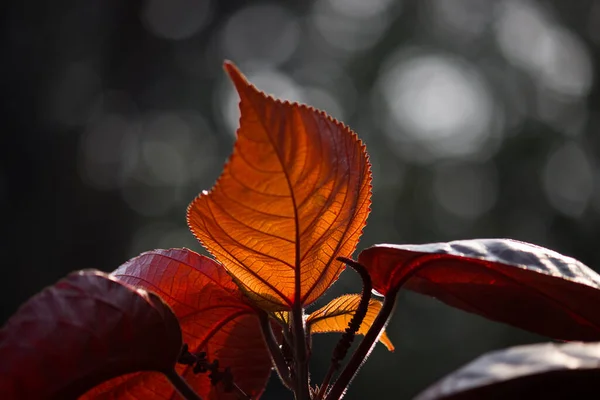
column 241, row 394
column 276, row 354
column 353, row 326
column 302, row 391
column 181, row 385
column 364, row 349
column 401, row 276
column 325, row 384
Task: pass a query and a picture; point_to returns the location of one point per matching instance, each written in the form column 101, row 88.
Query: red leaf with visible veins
column 214, row 317
column 547, row 371
column 83, row 330
column 505, row 280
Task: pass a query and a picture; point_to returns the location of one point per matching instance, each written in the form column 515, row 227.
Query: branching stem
column 366, row 345
column 276, row 354
column 354, row 325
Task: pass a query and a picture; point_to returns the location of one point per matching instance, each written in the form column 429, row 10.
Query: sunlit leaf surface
column 81, row 331
column 294, row 195
column 545, row 371
column 214, row 317
column 525, row 285
column 336, row 315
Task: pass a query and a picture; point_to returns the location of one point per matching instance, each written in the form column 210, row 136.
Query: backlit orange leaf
column 283, row 317
column 294, row 195
column 214, row 317
column 336, row 315
column 81, row 331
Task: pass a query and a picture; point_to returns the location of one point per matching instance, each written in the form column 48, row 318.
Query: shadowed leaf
column 294, row 195
column 336, row 315
column 214, row 317
column 81, row 331
column 546, row 371
column 505, row 280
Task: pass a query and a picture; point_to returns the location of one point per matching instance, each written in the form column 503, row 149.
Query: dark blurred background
column 480, row 117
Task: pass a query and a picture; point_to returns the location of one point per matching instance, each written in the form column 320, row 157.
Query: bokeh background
column 481, row 119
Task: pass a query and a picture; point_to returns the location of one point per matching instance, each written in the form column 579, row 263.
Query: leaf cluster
column 281, row 223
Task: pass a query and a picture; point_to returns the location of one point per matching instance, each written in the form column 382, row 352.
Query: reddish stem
column 354, row 325
column 181, row 385
column 364, row 349
column 361, row 354
column 301, row 389
column 276, row 355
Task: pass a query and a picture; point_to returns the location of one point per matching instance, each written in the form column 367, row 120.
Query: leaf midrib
column 297, row 285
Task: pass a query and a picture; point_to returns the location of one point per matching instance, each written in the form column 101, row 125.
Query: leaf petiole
column 302, row 390
column 181, row 385
column 241, row 394
column 276, row 355
column 372, row 336
column 347, row 338
column 365, row 347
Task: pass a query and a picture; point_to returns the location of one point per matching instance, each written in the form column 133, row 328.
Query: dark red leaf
column 83, row 330
column 504, row 280
column 214, row 316
column 546, row 371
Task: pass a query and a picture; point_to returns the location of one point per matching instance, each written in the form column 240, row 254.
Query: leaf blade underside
column 294, row 195
column 83, row 330
column 214, row 317
column 547, row 370
column 518, row 283
column 336, row 315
